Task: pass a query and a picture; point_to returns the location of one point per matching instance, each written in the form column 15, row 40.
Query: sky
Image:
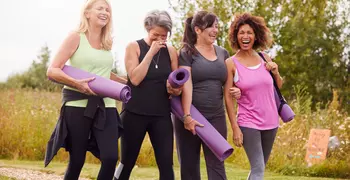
column 27, row 25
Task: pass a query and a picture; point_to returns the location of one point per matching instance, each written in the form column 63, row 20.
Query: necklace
column 156, row 64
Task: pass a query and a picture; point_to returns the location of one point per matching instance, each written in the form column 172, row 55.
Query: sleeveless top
column 99, row 62
column 150, row 97
column 256, row 107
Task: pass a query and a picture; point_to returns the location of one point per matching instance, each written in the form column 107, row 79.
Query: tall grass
column 288, row 154
column 28, row 117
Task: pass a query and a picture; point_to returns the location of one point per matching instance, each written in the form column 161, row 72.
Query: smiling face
column 99, row 14
column 246, row 37
column 209, row 34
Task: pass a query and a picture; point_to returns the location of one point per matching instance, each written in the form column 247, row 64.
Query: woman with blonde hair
column 87, row 121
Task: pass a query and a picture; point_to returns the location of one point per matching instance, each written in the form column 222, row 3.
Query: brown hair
column 202, row 20
column 262, row 33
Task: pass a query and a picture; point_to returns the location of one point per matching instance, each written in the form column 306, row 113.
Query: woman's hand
column 272, row 66
column 235, row 92
column 156, row 46
column 83, row 86
column 237, row 136
column 190, row 124
column 173, row 91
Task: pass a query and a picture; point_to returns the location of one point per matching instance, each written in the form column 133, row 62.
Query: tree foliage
column 311, row 38
column 35, row 77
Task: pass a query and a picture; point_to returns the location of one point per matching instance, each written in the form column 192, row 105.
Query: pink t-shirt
column 256, row 106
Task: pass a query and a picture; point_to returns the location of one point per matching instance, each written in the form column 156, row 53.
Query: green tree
column 310, row 35
column 35, row 77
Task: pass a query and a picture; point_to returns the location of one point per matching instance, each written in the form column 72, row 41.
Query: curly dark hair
column 262, row 32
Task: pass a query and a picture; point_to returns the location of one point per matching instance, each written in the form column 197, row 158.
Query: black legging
column 160, row 131
column 79, row 128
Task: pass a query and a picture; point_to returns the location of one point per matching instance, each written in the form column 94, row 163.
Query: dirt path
column 26, row 174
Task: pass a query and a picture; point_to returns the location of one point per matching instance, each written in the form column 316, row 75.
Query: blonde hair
column 106, row 37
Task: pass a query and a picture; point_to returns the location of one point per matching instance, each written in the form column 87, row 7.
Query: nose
column 245, row 35
column 104, row 11
column 216, row 30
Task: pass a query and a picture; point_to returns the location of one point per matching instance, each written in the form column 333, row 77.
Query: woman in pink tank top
column 256, row 123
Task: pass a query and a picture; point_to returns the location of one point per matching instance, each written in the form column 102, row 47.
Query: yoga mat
column 101, row 86
column 209, row 135
column 284, row 110
column 178, row 77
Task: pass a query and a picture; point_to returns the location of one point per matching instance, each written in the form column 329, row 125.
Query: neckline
column 90, row 44
column 216, row 54
column 249, row 66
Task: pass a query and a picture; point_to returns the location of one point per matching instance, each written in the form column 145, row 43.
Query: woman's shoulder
column 74, row 36
column 132, row 45
column 220, row 49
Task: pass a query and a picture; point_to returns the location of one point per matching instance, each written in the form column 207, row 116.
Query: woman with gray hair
column 148, row 62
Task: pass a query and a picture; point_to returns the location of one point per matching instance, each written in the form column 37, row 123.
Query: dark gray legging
column 258, row 145
column 188, row 150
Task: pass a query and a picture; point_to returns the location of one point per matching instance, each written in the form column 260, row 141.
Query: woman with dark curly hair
column 256, row 123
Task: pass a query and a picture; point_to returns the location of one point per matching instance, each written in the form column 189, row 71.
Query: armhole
column 138, row 53
column 235, row 77
column 169, row 53
column 80, row 36
column 76, row 49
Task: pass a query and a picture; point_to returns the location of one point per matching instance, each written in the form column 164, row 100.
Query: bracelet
column 185, row 116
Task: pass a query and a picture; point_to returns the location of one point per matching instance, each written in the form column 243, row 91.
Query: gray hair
column 158, row 18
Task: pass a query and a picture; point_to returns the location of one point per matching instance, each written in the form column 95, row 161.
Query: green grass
column 142, row 173
column 28, row 117
column 5, row 178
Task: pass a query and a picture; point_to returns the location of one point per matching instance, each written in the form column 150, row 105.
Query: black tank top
column 150, row 97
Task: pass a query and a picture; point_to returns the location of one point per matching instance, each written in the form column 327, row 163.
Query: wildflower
column 341, row 127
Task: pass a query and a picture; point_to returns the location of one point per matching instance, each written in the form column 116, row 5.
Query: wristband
column 185, row 116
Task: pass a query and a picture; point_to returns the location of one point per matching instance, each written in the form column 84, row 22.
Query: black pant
column 160, row 131
column 189, row 147
column 79, row 129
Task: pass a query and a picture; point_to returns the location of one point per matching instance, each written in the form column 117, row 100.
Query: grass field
column 28, row 117
column 143, row 173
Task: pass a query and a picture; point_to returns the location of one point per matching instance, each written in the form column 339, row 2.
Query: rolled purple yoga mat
column 101, row 86
column 286, row 113
column 178, row 77
column 209, row 135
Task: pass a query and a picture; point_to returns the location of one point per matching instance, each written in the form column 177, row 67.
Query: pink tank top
column 256, row 107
